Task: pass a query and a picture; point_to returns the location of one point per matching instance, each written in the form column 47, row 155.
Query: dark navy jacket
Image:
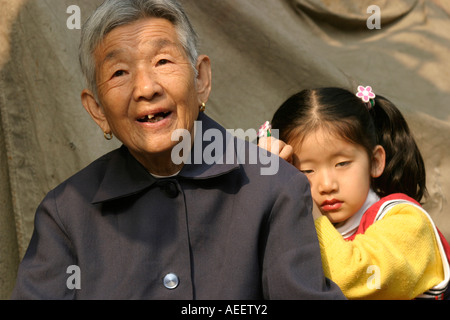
column 221, row 231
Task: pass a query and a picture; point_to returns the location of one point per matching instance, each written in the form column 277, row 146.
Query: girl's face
column 339, row 172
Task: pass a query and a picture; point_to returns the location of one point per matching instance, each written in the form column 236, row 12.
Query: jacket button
column 171, row 281
column 169, row 188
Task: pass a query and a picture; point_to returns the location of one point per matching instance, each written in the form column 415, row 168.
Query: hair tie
column 264, row 130
column 367, row 96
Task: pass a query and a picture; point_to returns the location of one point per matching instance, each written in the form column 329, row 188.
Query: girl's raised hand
column 278, row 147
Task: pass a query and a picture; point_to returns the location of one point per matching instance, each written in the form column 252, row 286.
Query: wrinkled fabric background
column 262, row 51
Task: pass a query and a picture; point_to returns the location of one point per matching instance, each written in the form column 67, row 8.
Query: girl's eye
column 307, row 171
column 343, row 164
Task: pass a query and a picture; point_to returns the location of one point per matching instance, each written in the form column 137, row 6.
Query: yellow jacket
column 396, row 258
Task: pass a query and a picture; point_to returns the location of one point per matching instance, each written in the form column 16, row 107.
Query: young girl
column 367, row 178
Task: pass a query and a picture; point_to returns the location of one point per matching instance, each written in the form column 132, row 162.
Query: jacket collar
column 125, row 176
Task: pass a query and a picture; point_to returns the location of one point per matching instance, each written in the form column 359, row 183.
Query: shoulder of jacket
column 89, row 176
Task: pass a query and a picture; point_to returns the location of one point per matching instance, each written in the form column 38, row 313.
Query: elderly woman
column 135, row 224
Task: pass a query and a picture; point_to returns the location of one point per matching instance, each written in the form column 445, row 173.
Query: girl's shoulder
column 400, row 203
column 389, row 204
column 379, row 209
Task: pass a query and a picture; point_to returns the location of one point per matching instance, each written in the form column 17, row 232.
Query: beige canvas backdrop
column 262, row 51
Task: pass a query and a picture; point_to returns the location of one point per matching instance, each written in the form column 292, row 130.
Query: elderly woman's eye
column 163, row 62
column 118, row 73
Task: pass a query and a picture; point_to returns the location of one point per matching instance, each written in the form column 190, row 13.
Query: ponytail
column 404, row 170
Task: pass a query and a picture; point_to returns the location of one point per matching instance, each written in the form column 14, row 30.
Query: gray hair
column 114, row 13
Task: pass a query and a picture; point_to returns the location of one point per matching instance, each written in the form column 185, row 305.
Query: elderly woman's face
column 147, row 87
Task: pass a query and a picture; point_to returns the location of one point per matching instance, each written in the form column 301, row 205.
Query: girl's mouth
column 331, row 205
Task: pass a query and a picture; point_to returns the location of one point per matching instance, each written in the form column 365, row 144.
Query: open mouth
column 154, row 118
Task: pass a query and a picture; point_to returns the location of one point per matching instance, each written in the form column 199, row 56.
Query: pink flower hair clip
column 367, row 96
column 264, row 130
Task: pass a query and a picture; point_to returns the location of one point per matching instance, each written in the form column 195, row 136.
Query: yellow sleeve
column 397, row 257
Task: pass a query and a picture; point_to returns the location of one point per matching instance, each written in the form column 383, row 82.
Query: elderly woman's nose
column 146, row 85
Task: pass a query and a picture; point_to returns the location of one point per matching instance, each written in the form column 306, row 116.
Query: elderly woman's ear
column 95, row 110
column 203, row 78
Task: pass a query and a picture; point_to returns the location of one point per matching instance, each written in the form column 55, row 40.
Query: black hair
column 343, row 114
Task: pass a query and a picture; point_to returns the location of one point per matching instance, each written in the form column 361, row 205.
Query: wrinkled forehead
column 143, row 29
column 152, row 33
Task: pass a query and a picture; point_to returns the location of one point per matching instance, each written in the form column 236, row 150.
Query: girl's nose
column 327, row 183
